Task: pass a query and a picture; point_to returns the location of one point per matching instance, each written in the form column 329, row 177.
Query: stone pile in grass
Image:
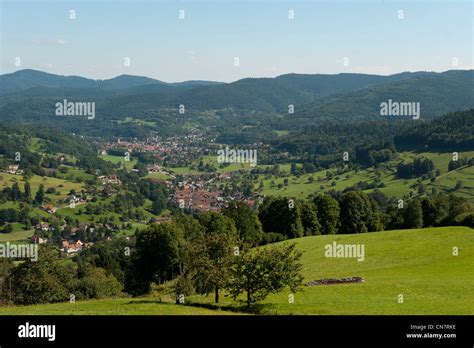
column 331, row 281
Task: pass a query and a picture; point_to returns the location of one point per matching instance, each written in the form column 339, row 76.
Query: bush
column 96, row 283
column 271, row 237
column 42, row 281
column 466, row 219
column 184, row 286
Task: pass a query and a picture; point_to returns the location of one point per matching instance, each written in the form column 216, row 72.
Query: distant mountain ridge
column 23, row 80
column 255, row 102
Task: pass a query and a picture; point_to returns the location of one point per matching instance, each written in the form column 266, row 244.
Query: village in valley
column 73, row 220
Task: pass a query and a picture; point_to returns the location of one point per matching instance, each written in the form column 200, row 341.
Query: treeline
column 461, row 162
column 358, row 212
column 451, row 132
column 49, row 280
column 420, row 167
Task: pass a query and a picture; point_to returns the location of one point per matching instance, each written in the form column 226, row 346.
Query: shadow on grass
column 241, row 308
column 147, row 301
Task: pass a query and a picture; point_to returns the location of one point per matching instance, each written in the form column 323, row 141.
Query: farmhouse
column 73, row 247
column 14, row 169
column 43, row 226
column 38, row 240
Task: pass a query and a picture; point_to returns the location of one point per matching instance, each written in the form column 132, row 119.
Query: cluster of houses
column 155, row 168
column 192, row 197
column 177, row 148
column 74, row 246
column 110, row 179
column 201, row 193
column 69, row 246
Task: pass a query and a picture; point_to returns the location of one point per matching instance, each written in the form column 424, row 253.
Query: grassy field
column 60, row 185
column 137, row 121
column 158, row 176
column 17, row 235
column 419, row 264
column 74, row 174
column 301, row 188
column 281, row 133
column 231, row 167
column 119, row 159
column 440, row 159
column 448, row 181
column 119, row 306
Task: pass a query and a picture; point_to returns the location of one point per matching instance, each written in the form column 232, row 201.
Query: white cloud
column 61, row 41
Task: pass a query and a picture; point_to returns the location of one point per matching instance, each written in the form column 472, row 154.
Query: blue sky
column 430, row 36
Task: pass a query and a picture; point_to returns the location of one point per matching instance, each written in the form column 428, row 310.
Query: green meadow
column 119, row 160
column 118, row 306
column 419, row 265
column 158, row 176
column 300, row 187
column 17, row 235
column 63, row 187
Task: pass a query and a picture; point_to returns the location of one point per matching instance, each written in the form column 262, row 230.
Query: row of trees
column 15, row 194
column 417, row 168
column 357, row 212
column 210, row 254
column 461, row 162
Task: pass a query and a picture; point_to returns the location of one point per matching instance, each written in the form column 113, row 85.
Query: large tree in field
column 156, row 257
column 39, row 197
column 246, row 221
column 328, row 213
column 193, row 230
column 413, row 215
column 212, row 255
column 261, row 272
column 309, row 219
column 358, row 213
column 159, row 203
column 281, row 215
column 429, row 212
column 27, row 188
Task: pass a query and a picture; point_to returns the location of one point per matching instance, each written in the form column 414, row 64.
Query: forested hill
column 257, row 105
column 452, row 132
column 326, row 143
column 437, row 94
column 24, row 80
